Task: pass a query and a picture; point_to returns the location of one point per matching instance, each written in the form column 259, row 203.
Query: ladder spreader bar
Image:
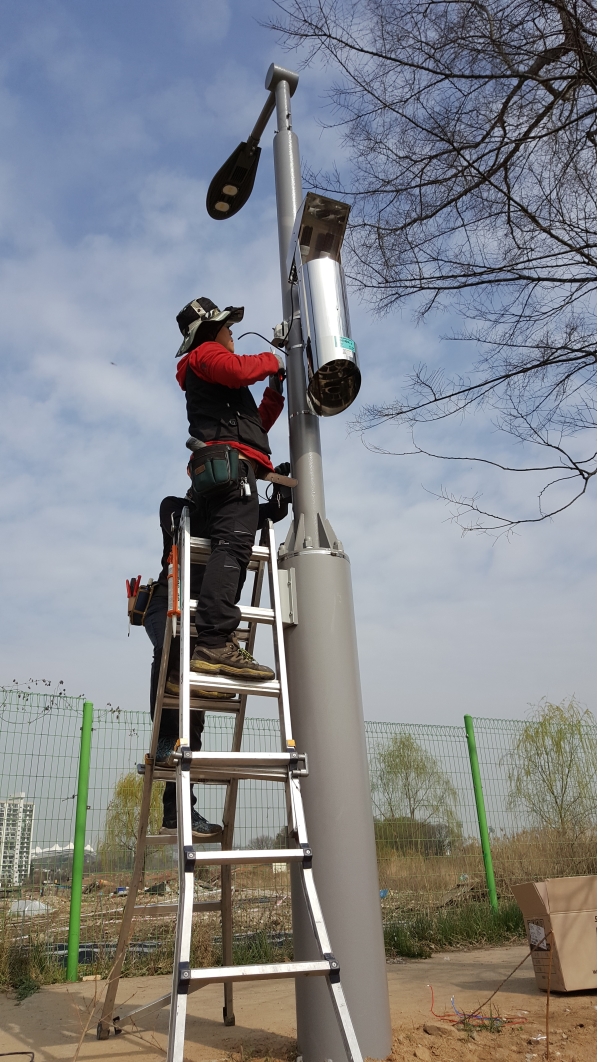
column 248, row 857
column 270, row 971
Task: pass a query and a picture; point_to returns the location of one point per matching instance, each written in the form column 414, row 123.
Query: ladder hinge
column 186, row 757
column 295, row 770
column 184, row 978
column 307, row 858
column 189, row 853
column 335, row 967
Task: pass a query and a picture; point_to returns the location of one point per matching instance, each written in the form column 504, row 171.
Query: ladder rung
column 155, row 910
column 251, row 856
column 245, row 759
column 209, row 704
column 249, row 613
column 220, row 775
column 233, row 686
column 201, row 549
column 156, row 839
column 260, row 973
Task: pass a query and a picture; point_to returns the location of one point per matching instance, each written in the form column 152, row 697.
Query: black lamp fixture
column 231, row 187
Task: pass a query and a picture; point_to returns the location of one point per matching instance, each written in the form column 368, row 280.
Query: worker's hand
column 282, row 495
column 275, row 382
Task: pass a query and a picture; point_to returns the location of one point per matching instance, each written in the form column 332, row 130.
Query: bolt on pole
column 325, row 696
column 72, row 962
column 481, row 810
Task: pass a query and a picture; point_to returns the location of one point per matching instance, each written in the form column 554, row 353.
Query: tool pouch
column 213, row 469
column 138, row 604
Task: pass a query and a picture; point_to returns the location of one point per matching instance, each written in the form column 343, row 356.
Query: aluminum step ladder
column 286, row 767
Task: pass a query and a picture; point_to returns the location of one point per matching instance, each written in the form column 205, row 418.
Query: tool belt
column 213, row 469
column 138, row 599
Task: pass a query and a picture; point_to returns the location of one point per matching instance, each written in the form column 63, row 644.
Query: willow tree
column 552, row 769
column 117, row 849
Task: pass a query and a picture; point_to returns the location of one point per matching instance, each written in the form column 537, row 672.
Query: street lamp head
column 314, row 264
column 231, row 187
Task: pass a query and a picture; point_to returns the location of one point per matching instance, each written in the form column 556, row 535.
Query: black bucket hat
column 201, row 312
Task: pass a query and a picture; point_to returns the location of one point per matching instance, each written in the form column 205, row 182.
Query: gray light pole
column 324, row 686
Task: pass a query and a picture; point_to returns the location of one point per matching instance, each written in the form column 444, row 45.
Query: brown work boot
column 231, row 660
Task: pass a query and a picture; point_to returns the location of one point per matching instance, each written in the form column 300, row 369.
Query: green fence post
column 481, row 810
column 72, row 962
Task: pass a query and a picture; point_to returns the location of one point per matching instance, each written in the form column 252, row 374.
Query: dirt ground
column 53, row 1022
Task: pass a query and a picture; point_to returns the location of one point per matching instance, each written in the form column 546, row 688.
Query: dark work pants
column 155, row 625
column 232, row 520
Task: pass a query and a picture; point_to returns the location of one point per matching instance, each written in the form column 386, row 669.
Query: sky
column 113, row 119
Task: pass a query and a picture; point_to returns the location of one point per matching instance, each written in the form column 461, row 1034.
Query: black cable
column 6, row 1054
column 283, row 339
column 260, row 336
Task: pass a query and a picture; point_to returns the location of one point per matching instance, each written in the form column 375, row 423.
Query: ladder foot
column 103, row 1031
column 228, row 1019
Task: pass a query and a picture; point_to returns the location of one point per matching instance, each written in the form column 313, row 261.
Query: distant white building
column 16, row 830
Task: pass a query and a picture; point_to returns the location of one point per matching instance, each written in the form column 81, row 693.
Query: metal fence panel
column 424, row 817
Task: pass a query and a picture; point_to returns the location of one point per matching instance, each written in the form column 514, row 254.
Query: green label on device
column 344, row 341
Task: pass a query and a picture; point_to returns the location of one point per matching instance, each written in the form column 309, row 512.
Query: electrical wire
column 260, row 336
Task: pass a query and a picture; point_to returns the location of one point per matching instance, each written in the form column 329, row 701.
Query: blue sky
column 113, row 119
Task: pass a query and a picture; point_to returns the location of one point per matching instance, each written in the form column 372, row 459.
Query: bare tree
column 470, row 133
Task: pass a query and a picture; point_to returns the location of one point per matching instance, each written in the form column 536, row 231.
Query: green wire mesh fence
column 539, row 793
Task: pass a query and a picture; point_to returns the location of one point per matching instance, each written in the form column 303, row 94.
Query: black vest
column 227, row 413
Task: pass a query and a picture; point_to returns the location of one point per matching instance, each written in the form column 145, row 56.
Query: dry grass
column 432, row 901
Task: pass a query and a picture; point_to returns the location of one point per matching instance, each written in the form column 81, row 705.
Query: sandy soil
column 52, row 1023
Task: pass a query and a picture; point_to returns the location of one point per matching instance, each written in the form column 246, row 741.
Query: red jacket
column 215, row 364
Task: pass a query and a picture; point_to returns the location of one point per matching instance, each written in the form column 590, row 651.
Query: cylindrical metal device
column 324, row 688
column 314, row 264
column 333, row 374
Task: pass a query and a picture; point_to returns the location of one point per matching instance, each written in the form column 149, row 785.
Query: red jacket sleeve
column 270, row 408
column 215, row 364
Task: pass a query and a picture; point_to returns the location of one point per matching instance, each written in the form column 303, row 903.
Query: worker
column 275, row 509
column 221, row 411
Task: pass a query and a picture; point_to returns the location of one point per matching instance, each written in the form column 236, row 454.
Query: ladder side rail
column 228, row 819
column 316, row 917
column 314, row 909
column 159, row 703
column 126, row 926
column 184, row 922
column 343, row 1016
column 185, row 624
column 284, row 709
column 297, row 816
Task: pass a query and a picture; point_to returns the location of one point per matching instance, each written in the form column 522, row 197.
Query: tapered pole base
column 327, row 716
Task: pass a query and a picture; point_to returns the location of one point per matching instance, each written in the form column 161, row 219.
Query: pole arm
column 265, row 115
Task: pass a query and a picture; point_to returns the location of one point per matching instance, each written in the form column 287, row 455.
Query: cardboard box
column 560, row 919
